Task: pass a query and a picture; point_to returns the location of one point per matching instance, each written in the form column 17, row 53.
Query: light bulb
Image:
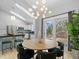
column 34, row 7
column 41, row 9
column 46, row 8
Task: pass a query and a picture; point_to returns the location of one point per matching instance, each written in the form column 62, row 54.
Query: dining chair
column 46, row 55
column 57, row 51
column 24, row 53
column 61, row 45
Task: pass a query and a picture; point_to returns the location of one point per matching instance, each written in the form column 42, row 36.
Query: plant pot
column 75, row 54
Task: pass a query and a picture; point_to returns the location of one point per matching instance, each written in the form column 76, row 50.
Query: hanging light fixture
column 40, row 9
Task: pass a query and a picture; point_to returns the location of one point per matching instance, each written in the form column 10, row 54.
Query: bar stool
column 17, row 41
column 6, row 43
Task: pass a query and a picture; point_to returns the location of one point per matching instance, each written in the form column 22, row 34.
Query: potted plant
column 73, row 31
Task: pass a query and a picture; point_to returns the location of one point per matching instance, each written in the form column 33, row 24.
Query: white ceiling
column 56, row 6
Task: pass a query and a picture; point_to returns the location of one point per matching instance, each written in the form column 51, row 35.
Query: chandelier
column 39, row 9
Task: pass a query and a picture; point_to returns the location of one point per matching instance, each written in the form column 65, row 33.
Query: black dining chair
column 56, row 51
column 46, row 55
column 61, row 45
column 24, row 53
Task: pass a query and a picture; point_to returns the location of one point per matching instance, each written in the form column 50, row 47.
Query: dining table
column 42, row 44
column 39, row 45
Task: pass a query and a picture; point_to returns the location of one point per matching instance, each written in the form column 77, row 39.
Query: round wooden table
column 39, row 45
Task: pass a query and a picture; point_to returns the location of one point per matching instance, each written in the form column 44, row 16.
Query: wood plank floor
column 9, row 55
column 13, row 55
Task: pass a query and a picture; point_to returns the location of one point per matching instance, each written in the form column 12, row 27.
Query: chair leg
column 2, row 48
column 39, row 56
column 62, row 57
column 58, row 57
column 32, row 57
column 10, row 45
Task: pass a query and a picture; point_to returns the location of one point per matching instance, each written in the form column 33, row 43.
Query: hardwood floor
column 67, row 55
column 9, row 55
column 13, row 55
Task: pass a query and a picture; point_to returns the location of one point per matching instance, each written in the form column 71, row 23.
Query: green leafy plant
column 73, row 30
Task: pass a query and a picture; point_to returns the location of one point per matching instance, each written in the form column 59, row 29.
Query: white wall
column 5, row 19
column 62, row 6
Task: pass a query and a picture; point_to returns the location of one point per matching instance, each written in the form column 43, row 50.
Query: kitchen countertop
column 10, row 35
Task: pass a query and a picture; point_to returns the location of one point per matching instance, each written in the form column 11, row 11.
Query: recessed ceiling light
column 13, row 18
column 34, row 7
column 17, row 15
column 23, row 9
column 50, row 12
column 37, row 2
column 30, row 9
